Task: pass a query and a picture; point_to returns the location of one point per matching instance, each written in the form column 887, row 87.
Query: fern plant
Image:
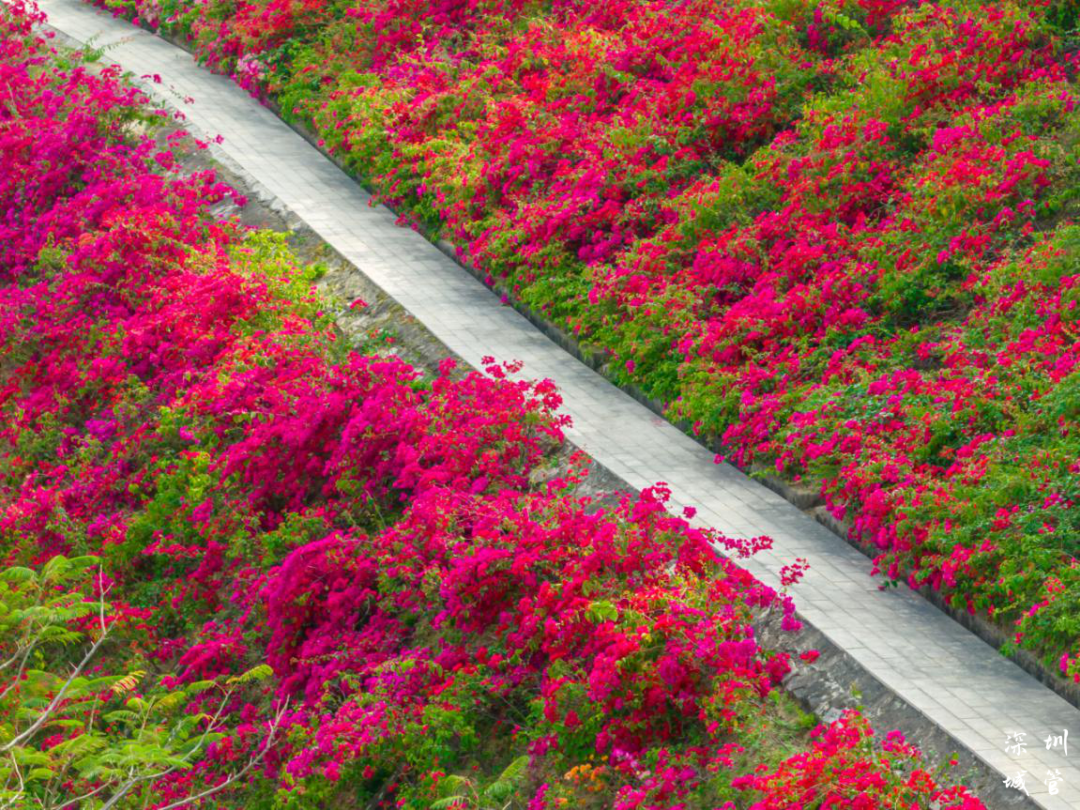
column 461, row 793
column 71, row 737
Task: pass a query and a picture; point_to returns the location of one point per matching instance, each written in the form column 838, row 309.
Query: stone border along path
column 955, row 683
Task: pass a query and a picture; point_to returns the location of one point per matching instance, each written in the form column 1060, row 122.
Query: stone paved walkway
column 958, row 681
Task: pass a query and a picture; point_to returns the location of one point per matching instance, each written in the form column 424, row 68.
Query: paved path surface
column 954, row 678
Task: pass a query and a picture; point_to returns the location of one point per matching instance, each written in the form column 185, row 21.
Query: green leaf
column 18, row 574
column 80, row 746
column 258, row 673
column 515, row 771
column 453, row 786
column 498, row 791
column 602, row 612
column 120, row 716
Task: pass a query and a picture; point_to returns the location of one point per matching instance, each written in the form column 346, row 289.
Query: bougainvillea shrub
column 834, row 236
column 254, row 566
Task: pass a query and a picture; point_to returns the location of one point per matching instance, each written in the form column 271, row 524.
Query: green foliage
column 461, row 793
column 71, row 736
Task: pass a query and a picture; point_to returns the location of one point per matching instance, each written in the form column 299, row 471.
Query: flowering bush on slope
column 835, row 235
column 328, row 571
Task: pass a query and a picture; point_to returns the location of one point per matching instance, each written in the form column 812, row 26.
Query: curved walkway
column 956, row 680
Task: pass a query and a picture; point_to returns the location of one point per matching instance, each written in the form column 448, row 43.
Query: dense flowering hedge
column 835, row 235
column 440, row 628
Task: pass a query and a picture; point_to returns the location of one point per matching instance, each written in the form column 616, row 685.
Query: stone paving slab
column 959, row 682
